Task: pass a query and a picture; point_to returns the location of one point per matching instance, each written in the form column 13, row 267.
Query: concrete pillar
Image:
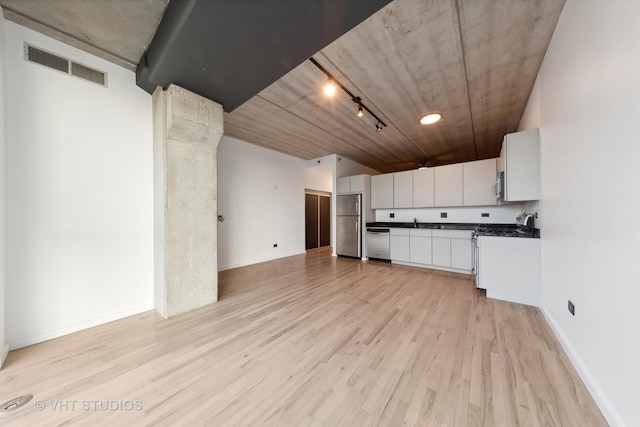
column 186, row 131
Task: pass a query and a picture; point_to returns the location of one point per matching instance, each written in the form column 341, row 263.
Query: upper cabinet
column 351, row 184
column 479, row 183
column 460, row 184
column 403, row 189
column 448, row 185
column 423, row 188
column 344, row 185
column 382, row 191
column 520, row 162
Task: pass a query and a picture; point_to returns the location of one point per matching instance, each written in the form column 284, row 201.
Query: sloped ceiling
column 473, row 61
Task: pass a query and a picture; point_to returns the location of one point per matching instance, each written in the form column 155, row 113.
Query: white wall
column 531, row 120
column 589, row 108
column 319, row 177
column 79, row 192
column 505, row 214
column 261, row 196
column 3, row 346
column 347, row 167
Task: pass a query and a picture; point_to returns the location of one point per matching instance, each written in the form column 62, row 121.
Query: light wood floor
column 311, row 340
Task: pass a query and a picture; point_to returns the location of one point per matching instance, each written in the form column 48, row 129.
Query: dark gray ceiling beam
column 230, row 50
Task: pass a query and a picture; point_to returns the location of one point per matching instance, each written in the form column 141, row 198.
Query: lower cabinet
column 461, row 254
column 399, row 244
column 441, row 249
column 420, row 246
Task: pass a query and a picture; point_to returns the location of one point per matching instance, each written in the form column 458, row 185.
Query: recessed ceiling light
column 330, row 88
column 430, row 118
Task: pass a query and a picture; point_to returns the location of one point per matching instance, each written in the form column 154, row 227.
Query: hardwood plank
column 313, row 340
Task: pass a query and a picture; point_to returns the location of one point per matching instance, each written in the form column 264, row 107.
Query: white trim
column 45, row 336
column 4, row 354
column 599, row 397
column 433, row 267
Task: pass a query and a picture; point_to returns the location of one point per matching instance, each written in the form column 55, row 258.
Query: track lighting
column 330, row 88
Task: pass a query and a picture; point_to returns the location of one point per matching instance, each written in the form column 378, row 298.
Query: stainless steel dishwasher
column 378, row 243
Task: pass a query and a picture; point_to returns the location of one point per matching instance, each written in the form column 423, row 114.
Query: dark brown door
column 311, row 220
column 325, row 220
column 317, row 220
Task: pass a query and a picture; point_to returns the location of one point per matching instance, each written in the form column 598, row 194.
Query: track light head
column 423, row 164
column 330, row 88
column 378, row 126
column 360, row 111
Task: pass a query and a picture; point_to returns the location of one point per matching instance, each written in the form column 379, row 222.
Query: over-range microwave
column 499, row 190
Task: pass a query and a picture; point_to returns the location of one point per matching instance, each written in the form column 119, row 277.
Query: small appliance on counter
column 526, row 220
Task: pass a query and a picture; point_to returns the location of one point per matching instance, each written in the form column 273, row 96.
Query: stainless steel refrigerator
column 348, row 225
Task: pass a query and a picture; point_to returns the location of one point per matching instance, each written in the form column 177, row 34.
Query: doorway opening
column 317, row 219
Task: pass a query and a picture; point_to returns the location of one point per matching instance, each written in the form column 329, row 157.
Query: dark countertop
column 500, row 230
column 434, row 225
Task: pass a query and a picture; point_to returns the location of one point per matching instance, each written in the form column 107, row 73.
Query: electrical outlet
column 392, row 215
column 572, row 308
column 484, row 214
column 443, row 214
column 275, row 245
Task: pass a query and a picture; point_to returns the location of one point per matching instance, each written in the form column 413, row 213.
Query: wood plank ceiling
column 474, row 61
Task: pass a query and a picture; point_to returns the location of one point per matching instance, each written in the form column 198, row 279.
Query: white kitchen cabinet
column 358, row 183
column 520, row 162
column 479, row 179
column 399, row 244
column 509, row 268
column 344, row 185
column 420, row 246
column 403, row 189
column 448, row 185
column 382, row 191
column 352, row 184
column 452, row 248
column 448, row 250
column 461, row 254
column 423, row 188
column 441, row 247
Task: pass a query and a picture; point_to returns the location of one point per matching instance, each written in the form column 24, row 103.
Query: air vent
column 47, row 59
column 88, row 74
column 50, row 60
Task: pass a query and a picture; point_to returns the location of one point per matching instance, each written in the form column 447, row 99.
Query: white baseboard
column 601, row 400
column 4, row 354
column 45, row 336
